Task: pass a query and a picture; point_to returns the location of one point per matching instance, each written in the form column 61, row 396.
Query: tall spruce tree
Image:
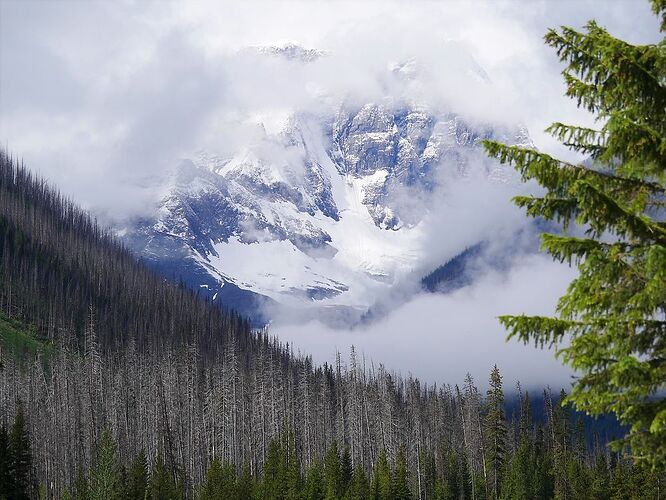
column 294, row 479
column 163, row 485
column 452, row 486
column 20, row 458
column 358, row 489
column 611, row 323
column 221, row 482
column 313, row 488
column 274, row 484
column 138, row 477
column 599, row 488
column 6, row 483
column 212, row 486
column 105, row 476
column 81, row 487
column 346, row 470
column 400, row 480
column 382, row 480
column 246, row 483
column 495, row 433
column 332, row 472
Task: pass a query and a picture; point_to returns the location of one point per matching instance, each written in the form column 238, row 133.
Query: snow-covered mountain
column 326, row 213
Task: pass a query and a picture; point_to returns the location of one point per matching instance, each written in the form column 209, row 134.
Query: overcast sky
column 103, row 98
column 120, row 90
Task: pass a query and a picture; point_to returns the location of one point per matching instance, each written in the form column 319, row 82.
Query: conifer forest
column 120, row 380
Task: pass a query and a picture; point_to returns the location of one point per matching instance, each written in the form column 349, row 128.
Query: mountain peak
column 291, row 52
column 337, row 200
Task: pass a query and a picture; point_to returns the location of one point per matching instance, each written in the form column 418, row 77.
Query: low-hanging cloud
column 439, row 338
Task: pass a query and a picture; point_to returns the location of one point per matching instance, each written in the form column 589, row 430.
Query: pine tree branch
column 614, row 216
column 596, row 55
column 563, row 248
column 523, row 158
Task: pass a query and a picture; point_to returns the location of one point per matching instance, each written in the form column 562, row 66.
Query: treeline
column 179, row 412
column 496, row 457
column 529, row 474
column 57, row 264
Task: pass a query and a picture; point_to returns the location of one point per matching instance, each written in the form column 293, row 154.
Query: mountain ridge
column 337, row 198
column 333, row 199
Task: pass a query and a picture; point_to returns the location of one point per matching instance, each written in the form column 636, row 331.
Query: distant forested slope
column 59, row 269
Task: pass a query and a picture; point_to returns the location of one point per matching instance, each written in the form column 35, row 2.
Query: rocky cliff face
column 326, row 211
column 404, row 151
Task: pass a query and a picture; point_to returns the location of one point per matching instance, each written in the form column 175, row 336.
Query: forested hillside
column 59, row 269
column 127, row 385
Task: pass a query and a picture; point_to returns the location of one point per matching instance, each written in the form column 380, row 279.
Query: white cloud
column 440, row 338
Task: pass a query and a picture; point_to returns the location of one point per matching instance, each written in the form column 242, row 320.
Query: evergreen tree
column 105, row 477
column 274, row 481
column 579, row 445
column 542, row 477
column 332, row 472
column 431, row 480
column 646, row 483
column 138, row 477
column 314, row 482
column 6, row 483
column 20, row 455
column 466, row 475
column 81, row 487
column 578, row 480
column 212, row 486
column 562, row 447
column 517, row 483
column 346, row 471
column 359, row 488
column 163, row 485
column 525, row 417
column 400, row 482
column 229, row 482
column 246, row 483
column 620, row 481
column 220, row 483
column 495, row 433
column 612, row 316
column 382, row 481
column 519, row 480
column 580, row 475
column 452, row 487
column 294, row 478
column 599, row 488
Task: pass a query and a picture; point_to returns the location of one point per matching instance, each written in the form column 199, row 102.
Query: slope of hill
column 60, row 271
